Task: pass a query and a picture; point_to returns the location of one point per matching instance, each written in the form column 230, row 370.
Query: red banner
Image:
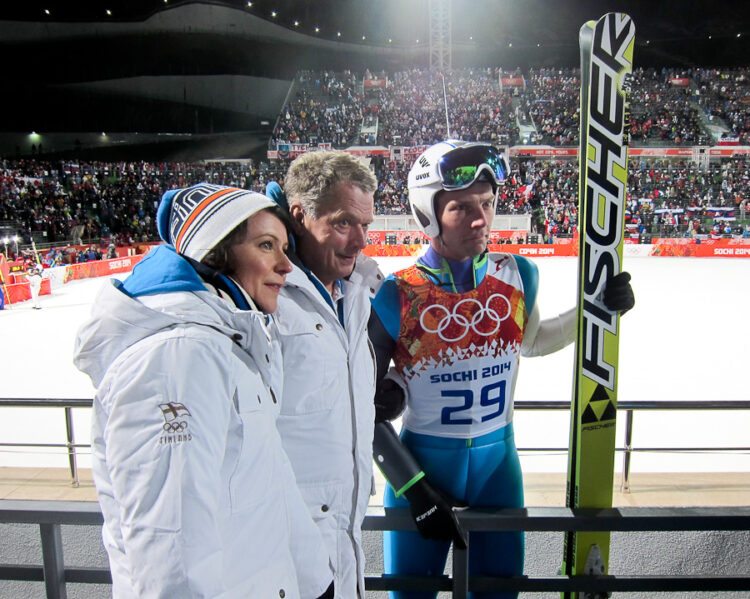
column 409, row 154
column 393, row 251
column 680, row 81
column 708, row 241
column 543, row 151
column 4, row 270
column 687, row 151
column 101, row 268
column 511, row 81
column 536, row 251
column 702, row 250
column 412, row 153
column 374, row 83
column 376, row 237
column 299, row 149
column 368, row 151
column 729, row 141
column 387, row 251
column 20, row 292
column 729, row 151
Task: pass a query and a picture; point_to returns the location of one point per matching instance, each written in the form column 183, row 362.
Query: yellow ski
column 606, row 63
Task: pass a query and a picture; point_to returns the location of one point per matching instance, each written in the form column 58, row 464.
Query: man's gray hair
column 312, row 176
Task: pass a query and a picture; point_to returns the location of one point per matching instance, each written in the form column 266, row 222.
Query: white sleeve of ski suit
column 543, row 337
column 169, row 495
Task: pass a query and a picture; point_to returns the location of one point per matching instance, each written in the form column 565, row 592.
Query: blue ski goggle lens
column 462, row 166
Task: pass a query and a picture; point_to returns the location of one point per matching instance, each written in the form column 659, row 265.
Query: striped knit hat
column 197, row 218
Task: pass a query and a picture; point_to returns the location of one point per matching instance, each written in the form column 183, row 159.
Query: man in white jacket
column 327, row 413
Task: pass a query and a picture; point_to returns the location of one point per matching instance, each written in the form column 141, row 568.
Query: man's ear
column 297, row 215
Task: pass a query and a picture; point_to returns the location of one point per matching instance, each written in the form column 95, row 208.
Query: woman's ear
column 297, row 215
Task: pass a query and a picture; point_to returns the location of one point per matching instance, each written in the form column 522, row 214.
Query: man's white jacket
column 327, row 411
column 198, row 496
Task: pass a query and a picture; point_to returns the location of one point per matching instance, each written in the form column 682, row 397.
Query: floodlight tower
column 440, row 35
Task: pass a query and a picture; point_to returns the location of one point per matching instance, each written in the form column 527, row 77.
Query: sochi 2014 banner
column 101, row 268
column 388, row 251
column 703, row 250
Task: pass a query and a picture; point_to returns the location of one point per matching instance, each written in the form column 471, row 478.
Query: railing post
column 628, row 449
column 460, row 572
column 52, row 561
column 72, row 458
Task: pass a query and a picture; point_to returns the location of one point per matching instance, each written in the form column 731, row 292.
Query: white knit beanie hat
column 197, row 218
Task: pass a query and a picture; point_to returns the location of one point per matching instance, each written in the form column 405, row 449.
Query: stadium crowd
column 116, row 202
column 80, row 202
column 725, row 94
column 551, row 102
column 667, row 106
column 326, row 108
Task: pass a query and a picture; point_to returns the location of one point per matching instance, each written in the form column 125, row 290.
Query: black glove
column 618, row 294
column 328, row 594
column 390, row 400
column 435, row 514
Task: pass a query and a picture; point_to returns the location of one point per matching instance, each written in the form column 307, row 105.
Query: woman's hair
column 312, row 176
column 220, row 258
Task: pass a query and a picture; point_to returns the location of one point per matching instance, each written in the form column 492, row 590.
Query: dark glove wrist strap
column 410, row 484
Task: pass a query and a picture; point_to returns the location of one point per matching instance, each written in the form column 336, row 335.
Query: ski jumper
column 458, row 329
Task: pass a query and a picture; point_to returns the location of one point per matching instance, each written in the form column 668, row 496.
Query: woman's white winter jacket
column 198, row 496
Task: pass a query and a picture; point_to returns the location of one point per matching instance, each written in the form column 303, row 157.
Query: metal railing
column 51, row 515
column 629, row 407
column 67, row 405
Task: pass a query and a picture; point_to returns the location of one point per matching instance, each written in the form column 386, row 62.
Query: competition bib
column 458, row 352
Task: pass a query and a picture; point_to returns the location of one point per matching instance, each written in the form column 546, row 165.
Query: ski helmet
column 450, row 165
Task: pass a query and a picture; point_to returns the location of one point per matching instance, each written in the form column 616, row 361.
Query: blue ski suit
column 457, row 331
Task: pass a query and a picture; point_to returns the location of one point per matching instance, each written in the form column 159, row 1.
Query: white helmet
column 450, row 165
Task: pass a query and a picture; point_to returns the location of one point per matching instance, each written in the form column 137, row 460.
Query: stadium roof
column 513, row 32
column 222, row 66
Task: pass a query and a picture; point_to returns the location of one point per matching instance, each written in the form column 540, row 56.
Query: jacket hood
column 163, row 270
column 163, row 292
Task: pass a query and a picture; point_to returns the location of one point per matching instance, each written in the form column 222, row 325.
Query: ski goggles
column 461, row 167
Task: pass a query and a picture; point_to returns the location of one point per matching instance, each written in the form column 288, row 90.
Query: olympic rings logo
column 174, row 427
column 483, row 317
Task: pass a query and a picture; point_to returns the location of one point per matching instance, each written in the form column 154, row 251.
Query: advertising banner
column 375, row 83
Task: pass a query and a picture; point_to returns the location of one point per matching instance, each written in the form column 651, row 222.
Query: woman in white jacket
column 198, row 496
